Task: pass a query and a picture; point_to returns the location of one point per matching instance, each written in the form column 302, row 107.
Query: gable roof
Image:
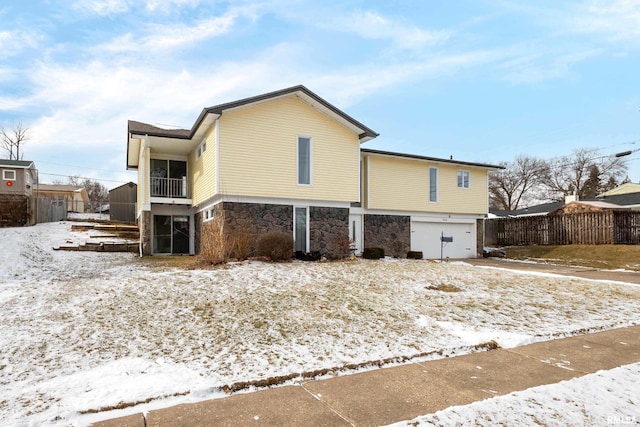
column 209, row 114
column 431, row 159
column 22, row 164
column 364, row 133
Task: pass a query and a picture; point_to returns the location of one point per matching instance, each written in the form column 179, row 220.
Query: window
column 433, row 185
column 201, row 149
column 463, row 179
column 301, row 229
column 9, row 175
column 304, row 160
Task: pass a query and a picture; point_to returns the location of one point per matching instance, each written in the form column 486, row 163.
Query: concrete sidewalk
column 404, row 392
column 564, row 270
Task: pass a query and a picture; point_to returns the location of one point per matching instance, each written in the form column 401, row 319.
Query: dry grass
column 597, row 256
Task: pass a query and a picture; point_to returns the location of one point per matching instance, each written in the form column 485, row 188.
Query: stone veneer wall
column 329, row 231
column 261, row 218
column 144, row 224
column 390, row 232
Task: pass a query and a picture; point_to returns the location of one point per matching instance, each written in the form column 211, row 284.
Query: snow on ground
column 84, row 331
column 603, row 398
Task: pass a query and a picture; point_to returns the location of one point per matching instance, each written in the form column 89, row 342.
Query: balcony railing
column 169, row 187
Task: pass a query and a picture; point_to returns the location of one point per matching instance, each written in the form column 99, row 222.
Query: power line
column 82, row 177
column 76, row 166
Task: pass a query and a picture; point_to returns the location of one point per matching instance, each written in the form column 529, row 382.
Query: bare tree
column 584, row 173
column 516, row 184
column 13, row 140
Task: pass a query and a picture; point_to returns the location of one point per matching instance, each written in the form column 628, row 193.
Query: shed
column 122, row 203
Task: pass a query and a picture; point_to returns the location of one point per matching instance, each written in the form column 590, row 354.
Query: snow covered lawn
column 85, row 331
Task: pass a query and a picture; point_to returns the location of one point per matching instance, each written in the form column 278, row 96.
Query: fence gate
column 51, row 209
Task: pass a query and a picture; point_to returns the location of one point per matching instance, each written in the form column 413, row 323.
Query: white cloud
column 371, row 25
column 615, row 19
column 166, row 6
column 538, row 67
column 172, row 36
column 14, row 41
column 102, row 7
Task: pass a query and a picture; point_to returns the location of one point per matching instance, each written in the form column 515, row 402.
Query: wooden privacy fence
column 611, row 227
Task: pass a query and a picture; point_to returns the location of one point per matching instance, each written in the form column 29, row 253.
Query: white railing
column 169, row 187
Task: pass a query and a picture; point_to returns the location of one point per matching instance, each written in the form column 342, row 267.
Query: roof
column 431, row 159
column 129, row 184
column 307, row 95
column 140, row 128
column 211, row 113
column 61, row 187
column 622, row 189
column 626, row 199
column 24, row 164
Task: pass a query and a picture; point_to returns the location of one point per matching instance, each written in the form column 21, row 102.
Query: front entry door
column 355, row 232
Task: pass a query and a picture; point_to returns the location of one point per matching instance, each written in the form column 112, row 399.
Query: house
column 75, row 196
column 290, row 161
column 411, row 202
column 122, row 203
column 16, row 189
column 627, row 188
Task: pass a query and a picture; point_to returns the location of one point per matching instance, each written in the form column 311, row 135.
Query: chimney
column 571, row 198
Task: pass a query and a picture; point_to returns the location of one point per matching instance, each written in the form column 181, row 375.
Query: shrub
column 277, row 246
column 373, row 253
column 308, row 256
column 341, row 247
column 238, row 242
column 414, row 255
column 213, row 247
column 397, row 249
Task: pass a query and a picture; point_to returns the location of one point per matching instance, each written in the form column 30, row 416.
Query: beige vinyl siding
column 203, row 170
column 396, row 183
column 258, row 152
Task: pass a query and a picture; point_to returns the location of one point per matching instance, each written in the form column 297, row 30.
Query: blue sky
column 479, row 80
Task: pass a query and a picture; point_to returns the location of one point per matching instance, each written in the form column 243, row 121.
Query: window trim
column 5, row 173
column 463, row 172
column 298, row 138
column 201, row 149
column 433, row 168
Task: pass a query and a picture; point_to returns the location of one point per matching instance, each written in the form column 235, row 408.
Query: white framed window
column 201, row 149
column 463, row 179
column 301, row 228
column 433, row 184
column 304, row 160
column 9, row 175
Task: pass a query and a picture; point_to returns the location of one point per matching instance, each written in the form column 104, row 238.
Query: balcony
column 169, row 187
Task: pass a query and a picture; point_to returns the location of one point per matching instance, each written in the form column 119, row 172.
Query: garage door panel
column 425, row 237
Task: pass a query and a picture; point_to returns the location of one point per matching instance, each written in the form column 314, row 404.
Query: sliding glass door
column 170, row 234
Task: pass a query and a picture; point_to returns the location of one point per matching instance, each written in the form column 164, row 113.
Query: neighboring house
column 75, row 195
column 627, row 188
column 16, row 189
column 122, row 203
column 290, row 161
column 625, row 199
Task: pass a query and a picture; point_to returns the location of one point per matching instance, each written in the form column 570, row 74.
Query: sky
column 479, row 80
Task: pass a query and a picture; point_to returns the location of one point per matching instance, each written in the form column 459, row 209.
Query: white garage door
column 425, row 237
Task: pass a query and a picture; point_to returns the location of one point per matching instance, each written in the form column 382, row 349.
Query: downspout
column 144, row 181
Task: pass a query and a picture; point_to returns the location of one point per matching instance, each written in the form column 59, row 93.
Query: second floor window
column 433, row 185
column 463, row 179
column 304, row 160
